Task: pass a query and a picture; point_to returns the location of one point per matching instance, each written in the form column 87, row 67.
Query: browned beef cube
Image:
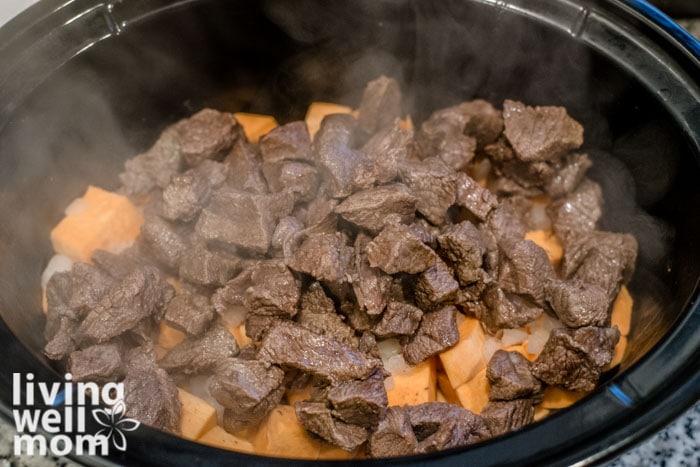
column 326, row 257
column 197, row 355
column 317, row 314
column 256, row 325
column 291, row 345
column 578, row 212
column 540, row 133
column 154, row 168
column 119, row 265
column 434, row 185
column 524, row 268
column 371, row 286
column 475, row 198
column 61, row 335
column 360, row 402
column 208, row 134
column 435, row 285
column 334, row 154
column 99, row 363
column 575, row 358
column 382, row 155
column 380, row 105
column 357, row 318
column 506, row 311
column 241, row 219
column 202, row 266
column 504, row 416
column 522, row 175
column 233, row 293
column 190, row 312
column 510, row 377
column 141, row 294
column 273, row 291
column 164, row 241
column 319, row 420
column 426, row 232
column 399, row 319
column 185, row 196
column 87, row 287
column 578, row 304
column 442, row 136
column 504, row 221
column 215, row 173
column 375, row 208
column 288, row 142
column 398, row 249
column 485, row 123
column 320, row 211
column 248, row 389
column 437, row 332
column 570, row 171
column 298, row 179
column 438, row 426
column 463, row 245
column 245, row 168
column 394, row 436
column 283, row 238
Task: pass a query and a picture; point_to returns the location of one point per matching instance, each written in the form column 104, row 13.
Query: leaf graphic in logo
column 115, row 424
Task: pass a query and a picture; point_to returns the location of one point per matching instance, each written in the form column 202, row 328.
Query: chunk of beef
column 504, row 222
column 382, row 155
column 317, row 314
column 484, row 122
column 578, row 212
column 288, row 142
column 98, row 363
column 197, row 355
column 371, row 286
column 141, row 294
column 505, row 416
column 524, row 268
column 570, row 171
column 190, row 312
column 245, row 168
column 394, row 435
column 510, row 377
column 506, row 311
column 153, row 168
column 202, row 266
column 215, row 173
column 298, row 179
column 291, row 345
column 334, row 154
column 442, row 136
column 577, row 304
column 426, row 232
column 320, row 210
column 438, row 426
column 575, row 358
column 208, row 134
column 248, row 389
column 526, row 175
column 61, row 336
column 435, row 285
column 256, row 325
column 284, row 236
column 273, row 291
column 433, row 184
column 463, row 245
column 241, row 219
column 476, row 199
column 357, row 318
column 359, row 402
column 87, row 287
column 119, row 265
column 375, row 208
column 540, row 133
column 398, row 249
column 380, row 105
column 164, row 241
column 399, row 319
column 319, row 420
column 326, row 257
column 185, row 196
column 437, row 332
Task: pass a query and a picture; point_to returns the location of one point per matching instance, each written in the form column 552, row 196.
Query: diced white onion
column 491, row 344
column 58, row 263
column 537, row 340
column 389, row 383
column 199, row 387
column 388, row 348
column 76, row 207
column 513, row 337
column 396, row 365
column 539, row 218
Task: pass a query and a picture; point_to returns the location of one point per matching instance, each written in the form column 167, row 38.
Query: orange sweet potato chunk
column 463, row 361
column 255, row 125
column 196, row 416
column 559, row 398
column 220, row 438
column 415, row 386
column 318, row 110
column 622, row 311
column 281, row 435
column 548, row 242
column 474, row 394
column 169, row 337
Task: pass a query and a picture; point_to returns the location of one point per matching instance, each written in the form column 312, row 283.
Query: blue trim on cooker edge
column 669, row 25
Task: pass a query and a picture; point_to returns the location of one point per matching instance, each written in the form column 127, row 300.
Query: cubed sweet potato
column 556, row 397
column 463, row 361
column 548, row 242
column 413, row 387
column 196, row 416
column 169, row 337
column 281, row 435
column 318, row 110
column 220, row 438
column 255, row 125
column 622, row 311
column 474, row 394
column 445, row 388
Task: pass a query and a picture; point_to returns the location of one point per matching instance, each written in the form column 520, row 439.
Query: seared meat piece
column 475, row 198
column 380, row 105
column 141, row 294
column 319, row 420
column 197, row 355
column 504, row 416
column 359, row 402
column 371, row 286
column 504, row 222
column 87, row 287
column 185, row 196
column 334, row 155
column 437, row 332
column 256, row 325
column 241, row 219
column 540, row 133
column 525, row 175
column 119, row 265
column 375, row 208
column 317, row 314
column 298, row 179
column 398, row 249
column 248, row 389
column 399, row 319
column 357, row 318
column 326, row 257
column 320, row 209
column 245, row 168
column 433, row 184
column 233, row 293
column 382, row 155
column 484, row 123
column 288, row 142
column 394, row 436
column 164, row 241
column 190, row 312
column 273, row 291
column 524, row 268
column 99, row 363
column 506, row 311
column 577, row 304
column 442, row 136
column 426, row 232
column 510, row 377
column 575, row 358
column 438, row 426
column 435, row 285
column 291, row 345
column 61, row 336
column 208, row 134
column 215, row 173
column 284, row 235
column 150, row 394
column 570, row 171
column 204, row 266
column 464, row 246
column 577, row 213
